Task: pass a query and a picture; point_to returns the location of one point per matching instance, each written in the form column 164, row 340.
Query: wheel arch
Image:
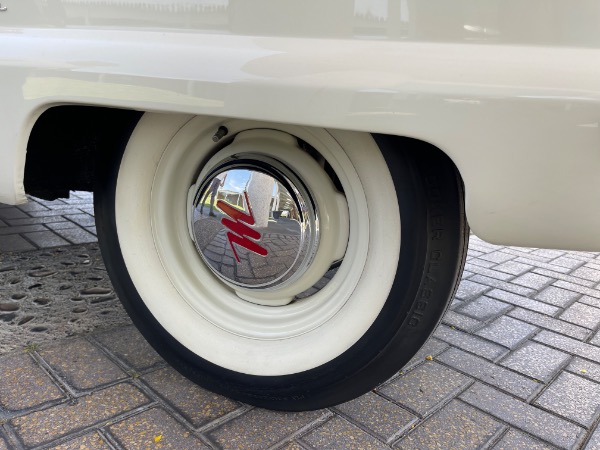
column 66, row 143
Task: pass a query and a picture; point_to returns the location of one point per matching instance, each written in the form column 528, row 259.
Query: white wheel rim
column 203, row 313
column 330, row 233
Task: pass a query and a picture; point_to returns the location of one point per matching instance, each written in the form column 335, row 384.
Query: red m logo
column 241, row 232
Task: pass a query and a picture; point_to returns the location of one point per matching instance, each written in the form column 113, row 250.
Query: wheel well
column 65, row 144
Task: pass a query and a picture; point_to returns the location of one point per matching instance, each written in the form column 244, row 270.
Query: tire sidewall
column 430, row 203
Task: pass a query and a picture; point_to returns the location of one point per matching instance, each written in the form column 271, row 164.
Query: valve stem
column 221, row 132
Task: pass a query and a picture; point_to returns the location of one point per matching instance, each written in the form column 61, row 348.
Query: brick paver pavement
column 515, row 363
column 46, row 224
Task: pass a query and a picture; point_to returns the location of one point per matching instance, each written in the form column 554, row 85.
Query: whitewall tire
column 390, row 221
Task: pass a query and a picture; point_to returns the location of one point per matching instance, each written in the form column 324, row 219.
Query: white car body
column 509, row 90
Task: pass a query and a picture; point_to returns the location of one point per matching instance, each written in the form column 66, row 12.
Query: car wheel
column 284, row 266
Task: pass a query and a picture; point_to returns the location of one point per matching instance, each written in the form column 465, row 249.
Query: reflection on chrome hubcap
column 254, row 223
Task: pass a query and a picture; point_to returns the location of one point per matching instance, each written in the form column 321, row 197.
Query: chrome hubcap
column 254, row 223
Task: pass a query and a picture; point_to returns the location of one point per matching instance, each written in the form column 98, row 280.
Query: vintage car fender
column 519, row 121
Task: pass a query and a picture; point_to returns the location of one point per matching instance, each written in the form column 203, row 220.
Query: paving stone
column 56, row 211
column 260, row 428
column 504, row 285
column 488, row 272
column 457, row 426
column 47, row 221
column 12, row 212
column 550, row 323
column 61, row 225
column 546, row 253
column 77, row 235
column 32, row 205
column 517, row 440
column 426, row 387
column 85, row 195
column 527, row 249
column 21, row 229
column 92, row 230
column 497, row 257
column 594, row 264
column 536, row 361
column 80, row 203
column 573, row 397
column 587, row 256
column 567, row 262
column 533, row 280
column 84, row 220
column 50, row 202
column 455, row 304
column 92, row 441
column 293, row 445
column 14, row 243
column 471, row 253
column 587, row 273
column 585, row 369
column 197, row 405
column 552, row 269
column 154, row 429
column 482, row 263
column 467, row 290
column 64, row 206
column 20, row 374
column 507, row 331
column 338, row 433
column 587, row 300
column 47, row 425
column 484, row 308
column 81, row 364
column 128, row 345
column 537, row 265
column 529, row 255
column 577, row 288
column 563, row 277
column 381, row 417
column 569, row 345
column 594, row 442
column 513, row 267
column 590, row 256
column 457, row 320
column 523, row 302
column 46, row 239
column 483, row 246
column 526, row 417
column 557, row 296
column 487, row 372
column 596, row 339
column 470, row 343
column 582, row 315
column 432, row 347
